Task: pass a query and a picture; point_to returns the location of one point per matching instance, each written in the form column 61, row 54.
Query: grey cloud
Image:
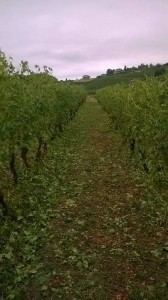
column 77, row 37
column 64, row 56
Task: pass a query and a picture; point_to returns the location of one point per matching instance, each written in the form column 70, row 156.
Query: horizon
column 122, row 68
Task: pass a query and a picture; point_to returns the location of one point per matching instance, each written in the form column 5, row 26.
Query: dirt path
column 102, row 244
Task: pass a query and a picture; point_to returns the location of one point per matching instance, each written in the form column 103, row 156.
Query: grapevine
column 140, row 112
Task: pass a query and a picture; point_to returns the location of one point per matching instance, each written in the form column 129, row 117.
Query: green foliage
column 34, row 110
column 140, row 112
column 21, row 238
column 32, row 106
column 109, row 72
column 149, row 292
column 160, row 71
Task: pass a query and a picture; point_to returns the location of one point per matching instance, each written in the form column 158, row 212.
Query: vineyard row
column 34, row 109
column 140, row 112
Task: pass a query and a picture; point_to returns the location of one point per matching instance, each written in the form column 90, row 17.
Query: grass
column 97, row 230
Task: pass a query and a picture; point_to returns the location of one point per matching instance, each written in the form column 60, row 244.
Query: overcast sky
column 78, row 37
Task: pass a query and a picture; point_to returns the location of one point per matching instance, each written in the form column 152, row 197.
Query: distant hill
column 126, row 77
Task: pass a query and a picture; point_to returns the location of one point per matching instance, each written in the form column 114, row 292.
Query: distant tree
column 141, row 66
column 158, row 65
column 86, row 76
column 110, row 72
column 37, row 68
column 125, row 68
column 159, row 72
column 133, row 68
column 24, row 67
